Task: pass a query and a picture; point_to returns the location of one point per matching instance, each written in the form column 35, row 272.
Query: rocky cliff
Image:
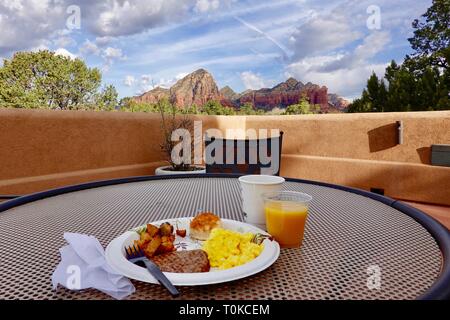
column 285, row 94
column 199, row 87
column 153, row 96
column 196, row 88
column 337, row 101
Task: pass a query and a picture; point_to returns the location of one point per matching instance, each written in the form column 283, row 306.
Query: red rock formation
column 285, row 94
column 153, row 96
column 196, row 88
column 228, row 97
column 337, row 102
column 199, row 87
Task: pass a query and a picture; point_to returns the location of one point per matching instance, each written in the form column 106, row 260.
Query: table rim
column 439, row 290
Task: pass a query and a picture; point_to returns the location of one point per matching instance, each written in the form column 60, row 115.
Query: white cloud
column 65, row 53
column 39, row 48
column 252, row 80
column 113, row 53
column 347, row 82
column 109, row 54
column 102, row 41
column 167, row 83
column 324, row 50
column 90, row 47
column 64, row 41
column 145, row 79
column 28, row 23
column 147, row 82
column 117, row 17
column 129, row 81
column 323, row 33
column 206, row 5
column 374, row 43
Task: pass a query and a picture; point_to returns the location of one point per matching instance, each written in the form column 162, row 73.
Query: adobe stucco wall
column 361, row 150
column 369, row 136
column 41, row 149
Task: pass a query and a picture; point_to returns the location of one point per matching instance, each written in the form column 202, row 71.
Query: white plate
column 115, row 256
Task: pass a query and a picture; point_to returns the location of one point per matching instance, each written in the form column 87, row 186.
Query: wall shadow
column 383, row 137
column 424, row 154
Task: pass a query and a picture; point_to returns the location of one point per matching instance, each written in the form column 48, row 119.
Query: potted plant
column 169, row 123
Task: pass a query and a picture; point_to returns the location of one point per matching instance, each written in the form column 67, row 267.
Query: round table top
column 347, row 237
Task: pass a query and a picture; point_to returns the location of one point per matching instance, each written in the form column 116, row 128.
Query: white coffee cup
column 252, row 189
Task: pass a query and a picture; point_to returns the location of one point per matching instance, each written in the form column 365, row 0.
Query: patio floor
column 440, row 213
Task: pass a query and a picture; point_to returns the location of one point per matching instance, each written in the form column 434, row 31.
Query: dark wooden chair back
column 243, row 156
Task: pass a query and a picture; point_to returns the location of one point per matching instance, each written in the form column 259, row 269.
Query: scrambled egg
column 227, row 249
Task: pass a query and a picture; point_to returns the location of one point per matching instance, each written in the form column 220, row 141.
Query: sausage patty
column 183, row 261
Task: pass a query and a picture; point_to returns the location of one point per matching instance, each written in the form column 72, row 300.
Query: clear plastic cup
column 286, row 213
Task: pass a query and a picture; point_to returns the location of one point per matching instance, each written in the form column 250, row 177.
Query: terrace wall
column 41, row 149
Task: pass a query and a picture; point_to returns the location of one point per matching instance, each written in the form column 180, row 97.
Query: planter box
column 440, row 155
column 163, row 171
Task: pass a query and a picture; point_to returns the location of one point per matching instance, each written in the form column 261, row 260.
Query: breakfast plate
column 116, row 256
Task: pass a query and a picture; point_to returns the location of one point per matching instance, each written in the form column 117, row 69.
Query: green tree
column 376, row 94
column 359, row 105
column 431, row 40
column 127, row 104
column 373, row 99
column 422, row 82
column 46, row 80
column 193, row 109
column 107, row 99
column 402, row 92
column 302, row 107
column 247, row 109
column 213, row 107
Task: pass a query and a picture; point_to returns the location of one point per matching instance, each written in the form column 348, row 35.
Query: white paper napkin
column 83, row 265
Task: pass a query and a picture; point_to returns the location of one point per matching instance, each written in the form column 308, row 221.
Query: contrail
column 265, row 35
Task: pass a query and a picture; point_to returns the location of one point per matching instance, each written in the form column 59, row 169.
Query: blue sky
column 245, row 44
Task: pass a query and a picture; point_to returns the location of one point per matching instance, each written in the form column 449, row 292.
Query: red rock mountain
column 285, row 94
column 196, row 88
column 199, row 87
column 153, row 96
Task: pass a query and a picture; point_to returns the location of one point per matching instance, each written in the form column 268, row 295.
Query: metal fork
column 259, row 238
column 135, row 254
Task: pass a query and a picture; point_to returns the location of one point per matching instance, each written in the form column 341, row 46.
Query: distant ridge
column 199, row 87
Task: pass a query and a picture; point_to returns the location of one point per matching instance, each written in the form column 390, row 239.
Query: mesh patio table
column 349, row 231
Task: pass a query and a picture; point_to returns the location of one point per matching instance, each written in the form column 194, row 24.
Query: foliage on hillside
column 302, row 107
column 213, row 107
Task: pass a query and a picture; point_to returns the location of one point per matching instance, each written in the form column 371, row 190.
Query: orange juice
column 285, row 221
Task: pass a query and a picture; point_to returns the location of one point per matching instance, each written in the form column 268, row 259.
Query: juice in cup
column 286, row 213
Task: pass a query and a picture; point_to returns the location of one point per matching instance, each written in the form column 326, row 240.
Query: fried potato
column 152, row 230
column 152, row 246
column 166, row 245
column 165, row 229
column 156, row 240
column 145, row 237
